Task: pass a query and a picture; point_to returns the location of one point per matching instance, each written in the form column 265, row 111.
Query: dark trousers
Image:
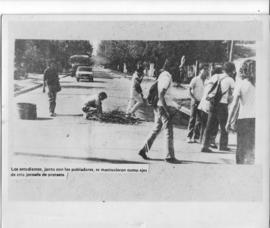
column 245, row 141
column 214, row 129
column 52, row 97
column 219, row 113
column 194, row 121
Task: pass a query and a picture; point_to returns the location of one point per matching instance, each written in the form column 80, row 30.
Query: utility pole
column 231, row 51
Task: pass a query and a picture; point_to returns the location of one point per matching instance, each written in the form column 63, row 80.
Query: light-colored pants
column 161, row 121
column 134, row 103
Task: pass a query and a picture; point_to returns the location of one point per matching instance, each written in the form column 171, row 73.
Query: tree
column 130, row 52
column 34, row 54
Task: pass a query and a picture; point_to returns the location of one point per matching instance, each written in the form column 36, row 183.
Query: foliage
column 130, row 52
column 35, row 54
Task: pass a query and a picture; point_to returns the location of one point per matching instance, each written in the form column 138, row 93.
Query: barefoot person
column 51, row 79
column 244, row 95
column 162, row 118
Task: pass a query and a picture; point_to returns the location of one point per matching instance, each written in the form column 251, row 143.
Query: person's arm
column 230, row 92
column 163, row 102
column 99, row 107
column 232, row 111
column 182, row 63
column 191, row 88
column 191, row 93
column 44, row 80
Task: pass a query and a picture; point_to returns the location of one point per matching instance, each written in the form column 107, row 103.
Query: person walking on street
column 51, row 79
column 244, row 99
column 136, row 95
column 219, row 110
column 162, row 117
column 196, row 89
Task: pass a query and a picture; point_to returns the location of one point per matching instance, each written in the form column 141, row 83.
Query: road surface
column 69, row 136
column 69, row 139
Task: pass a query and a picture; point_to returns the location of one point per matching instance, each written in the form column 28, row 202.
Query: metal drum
column 27, row 111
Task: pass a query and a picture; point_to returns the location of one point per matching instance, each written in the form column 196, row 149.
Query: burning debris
column 114, row 116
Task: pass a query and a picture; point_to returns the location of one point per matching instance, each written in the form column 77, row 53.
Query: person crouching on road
column 196, row 89
column 51, row 79
column 162, row 118
column 93, row 106
column 136, row 95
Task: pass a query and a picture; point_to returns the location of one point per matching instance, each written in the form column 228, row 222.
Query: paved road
column 70, row 137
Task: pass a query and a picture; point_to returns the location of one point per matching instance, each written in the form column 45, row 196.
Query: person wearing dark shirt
column 51, row 79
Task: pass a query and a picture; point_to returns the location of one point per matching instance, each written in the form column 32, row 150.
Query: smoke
column 99, row 60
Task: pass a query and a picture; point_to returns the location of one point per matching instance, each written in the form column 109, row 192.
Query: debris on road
column 185, row 102
column 114, row 116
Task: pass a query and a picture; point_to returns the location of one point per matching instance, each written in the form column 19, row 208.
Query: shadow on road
column 221, row 152
column 69, row 115
column 197, row 162
column 82, row 87
column 112, row 161
column 44, row 118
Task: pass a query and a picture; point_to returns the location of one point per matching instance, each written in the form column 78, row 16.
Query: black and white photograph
column 133, row 110
column 96, row 101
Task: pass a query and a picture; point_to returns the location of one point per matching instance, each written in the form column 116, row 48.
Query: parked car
column 84, row 72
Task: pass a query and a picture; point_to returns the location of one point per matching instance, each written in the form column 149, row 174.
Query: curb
column 27, row 90
column 32, row 88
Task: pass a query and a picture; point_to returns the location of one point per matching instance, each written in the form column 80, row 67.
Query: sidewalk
column 33, row 81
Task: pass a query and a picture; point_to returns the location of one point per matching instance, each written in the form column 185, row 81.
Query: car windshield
column 84, row 69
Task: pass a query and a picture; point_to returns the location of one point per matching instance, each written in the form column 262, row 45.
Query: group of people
column 218, row 102
column 232, row 109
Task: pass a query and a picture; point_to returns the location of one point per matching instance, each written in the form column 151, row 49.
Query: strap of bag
column 220, row 83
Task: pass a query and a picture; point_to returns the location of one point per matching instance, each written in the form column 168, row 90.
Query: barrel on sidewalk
column 27, row 111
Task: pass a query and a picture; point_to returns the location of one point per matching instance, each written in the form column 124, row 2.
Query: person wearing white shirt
column 196, row 89
column 136, row 96
column 220, row 111
column 162, row 119
column 244, row 98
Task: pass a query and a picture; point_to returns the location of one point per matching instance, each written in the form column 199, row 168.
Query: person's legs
column 207, row 134
column 192, row 119
column 222, row 116
column 214, row 132
column 52, row 99
column 139, row 102
column 168, row 132
column 245, row 141
column 198, row 125
column 152, row 136
column 131, row 102
column 203, row 117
